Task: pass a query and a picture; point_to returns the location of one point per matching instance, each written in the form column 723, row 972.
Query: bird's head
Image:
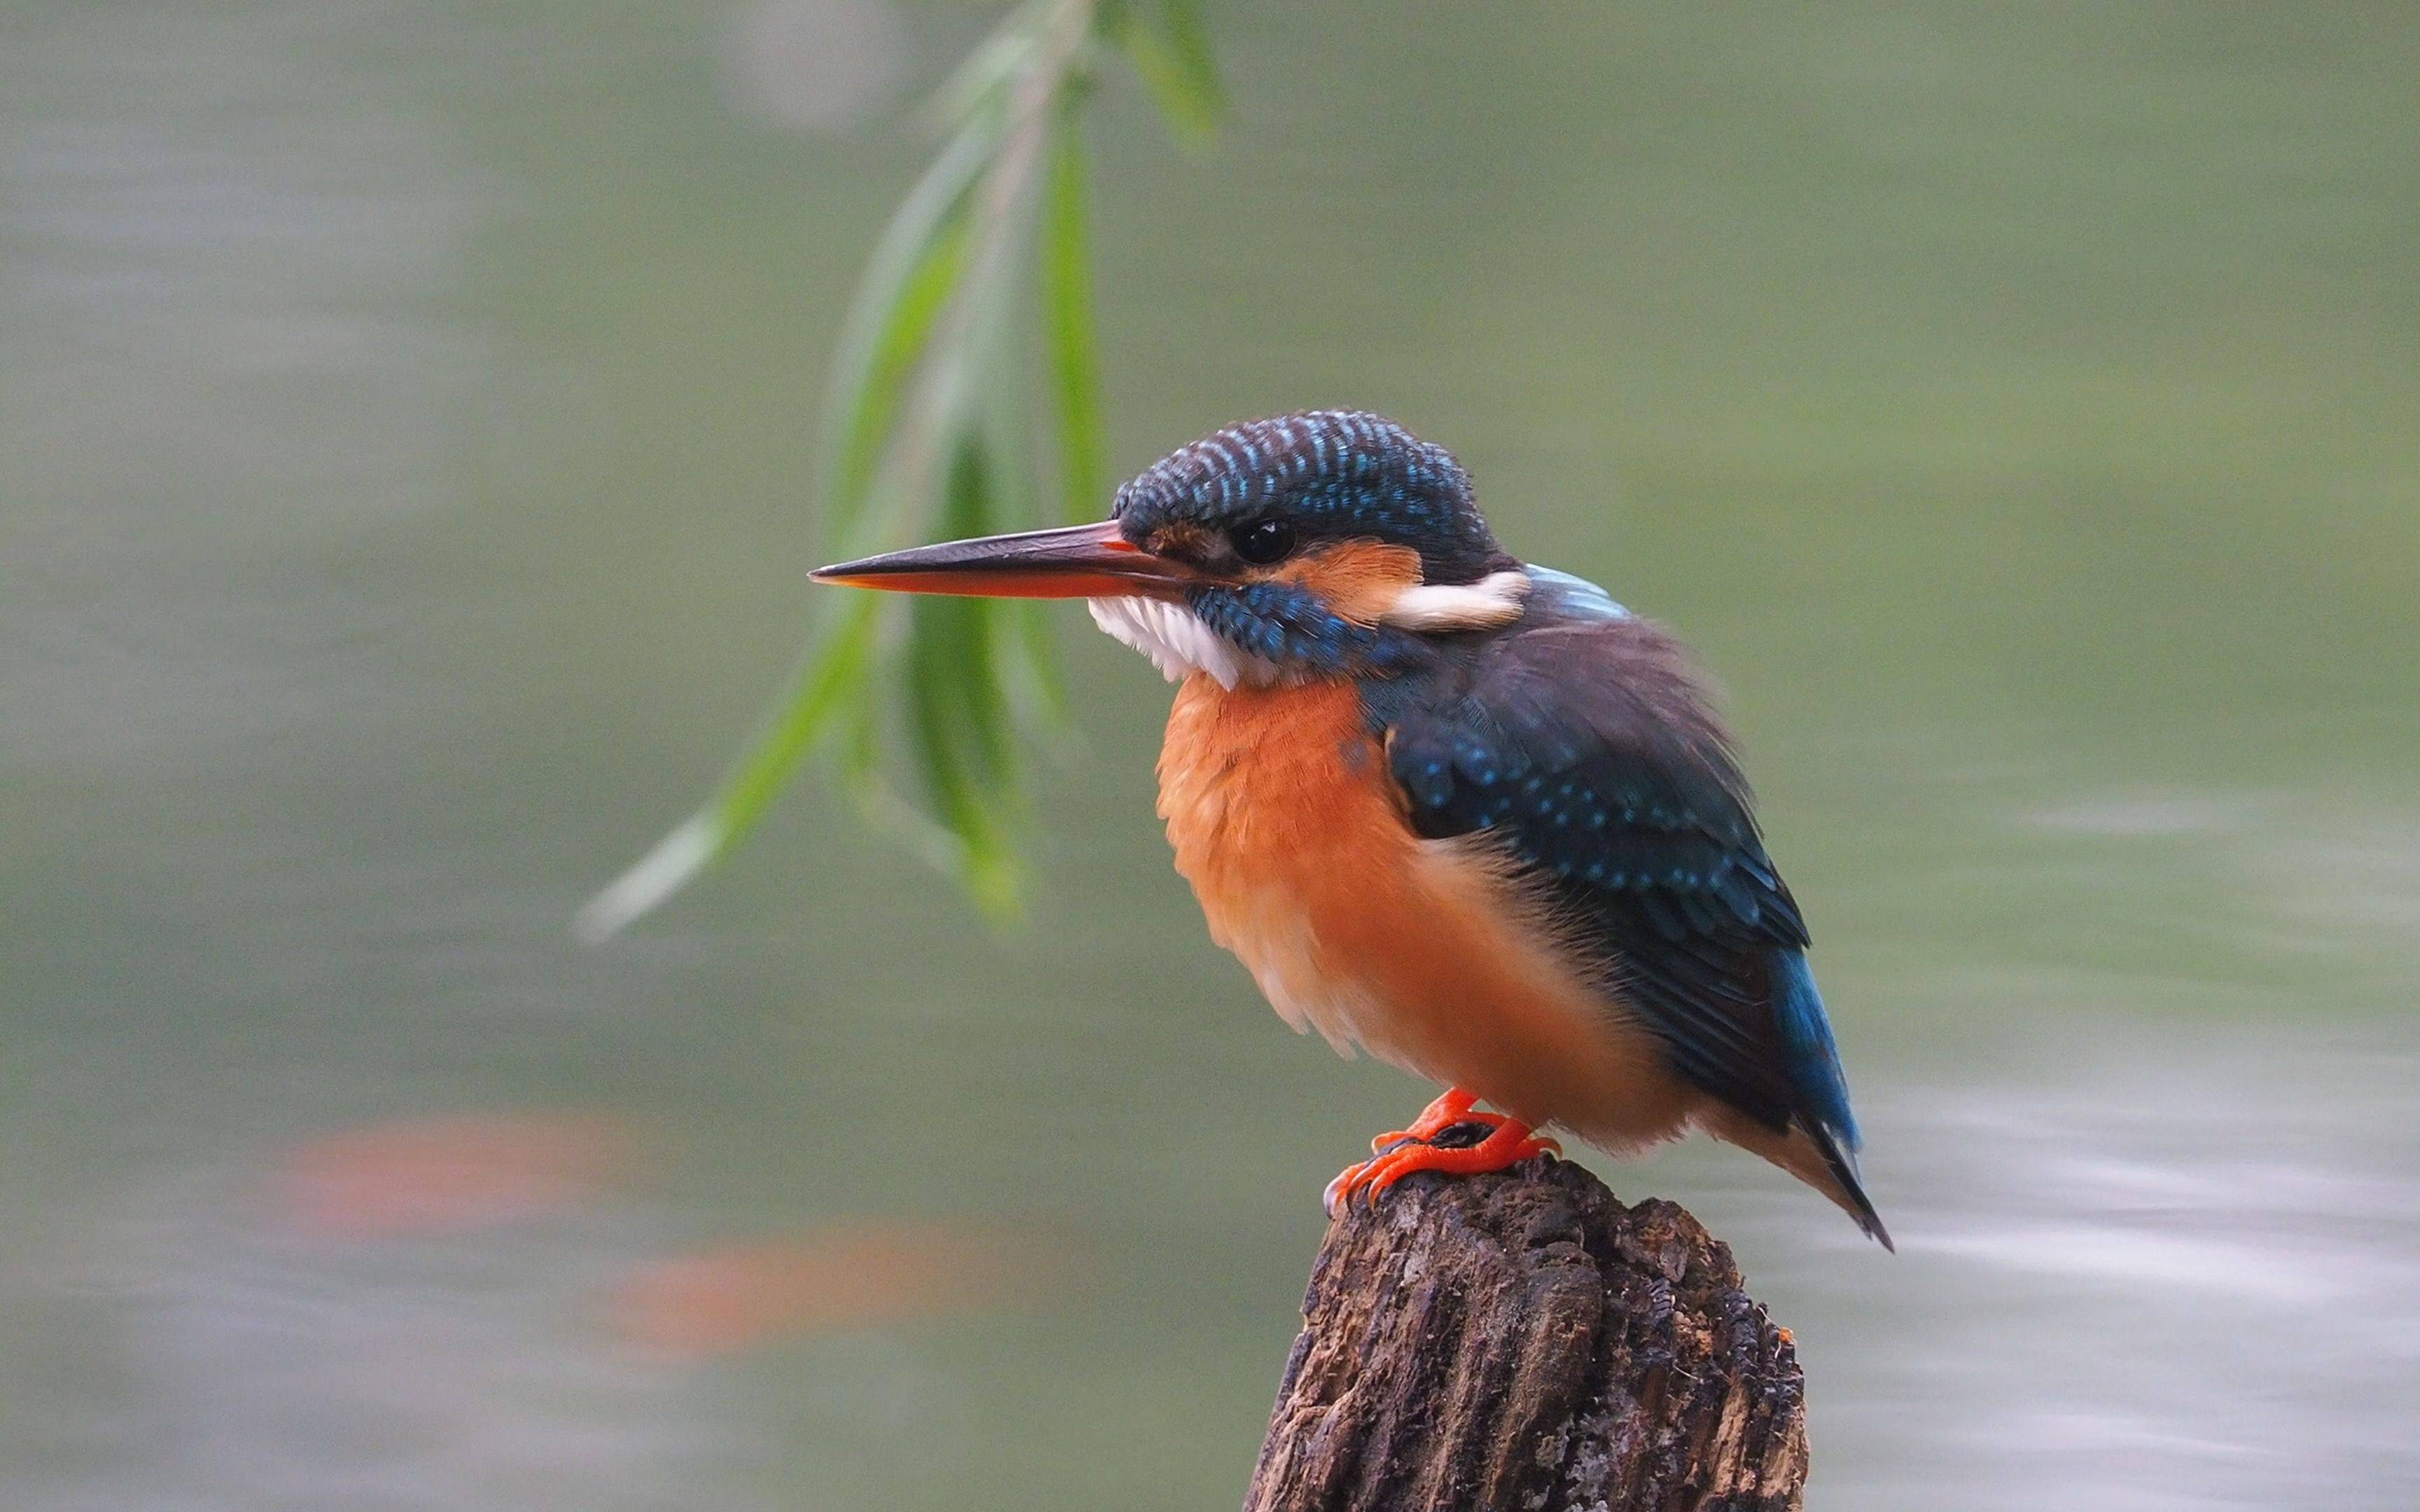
column 1329, row 544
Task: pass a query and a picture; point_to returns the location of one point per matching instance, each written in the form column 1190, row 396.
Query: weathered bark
column 1523, row 1340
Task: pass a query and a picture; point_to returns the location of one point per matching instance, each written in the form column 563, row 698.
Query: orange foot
column 1450, row 1136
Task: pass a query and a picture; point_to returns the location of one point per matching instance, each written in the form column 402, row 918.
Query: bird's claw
column 1450, row 1107
column 1450, row 1136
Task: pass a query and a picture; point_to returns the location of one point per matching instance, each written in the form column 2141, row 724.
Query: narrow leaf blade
column 797, row 720
column 1177, row 68
column 914, row 268
column 1188, row 41
column 1068, row 328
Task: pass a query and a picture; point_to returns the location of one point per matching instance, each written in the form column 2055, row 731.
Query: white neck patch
column 1495, row 599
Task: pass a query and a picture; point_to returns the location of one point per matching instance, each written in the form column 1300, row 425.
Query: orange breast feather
column 1286, row 823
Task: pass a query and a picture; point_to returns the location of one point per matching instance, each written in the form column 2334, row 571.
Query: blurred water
column 404, row 460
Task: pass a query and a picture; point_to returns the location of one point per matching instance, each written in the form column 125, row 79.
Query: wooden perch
column 1524, row 1341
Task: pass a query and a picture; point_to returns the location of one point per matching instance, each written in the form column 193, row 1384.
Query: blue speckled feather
column 1334, row 474
column 1579, row 738
column 1287, row 624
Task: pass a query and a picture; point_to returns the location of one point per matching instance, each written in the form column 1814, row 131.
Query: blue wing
column 1579, row 737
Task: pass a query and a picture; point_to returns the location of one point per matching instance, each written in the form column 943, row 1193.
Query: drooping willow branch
column 971, row 335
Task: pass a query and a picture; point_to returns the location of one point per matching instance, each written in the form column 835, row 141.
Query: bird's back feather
column 1580, row 743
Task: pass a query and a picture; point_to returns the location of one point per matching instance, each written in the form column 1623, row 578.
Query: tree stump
column 1524, row 1341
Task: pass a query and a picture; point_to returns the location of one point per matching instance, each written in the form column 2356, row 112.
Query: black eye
column 1263, row 542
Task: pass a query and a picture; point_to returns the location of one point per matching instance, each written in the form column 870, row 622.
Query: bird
column 1461, row 811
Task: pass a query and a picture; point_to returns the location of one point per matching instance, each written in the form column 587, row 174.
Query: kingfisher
column 1464, row 812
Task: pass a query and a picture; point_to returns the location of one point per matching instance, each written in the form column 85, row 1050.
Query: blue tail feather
column 1807, row 1041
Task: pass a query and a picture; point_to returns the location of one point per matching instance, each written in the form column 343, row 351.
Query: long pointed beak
column 1074, row 562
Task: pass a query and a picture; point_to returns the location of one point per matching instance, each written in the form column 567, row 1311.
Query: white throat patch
column 1176, row 640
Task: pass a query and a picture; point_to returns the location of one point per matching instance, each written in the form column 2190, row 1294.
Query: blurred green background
column 406, row 429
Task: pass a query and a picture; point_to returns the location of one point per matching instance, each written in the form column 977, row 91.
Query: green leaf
column 1176, row 67
column 831, row 672
column 1189, row 41
column 957, row 717
column 915, row 269
column 1068, row 334
column 929, row 404
column 986, row 71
